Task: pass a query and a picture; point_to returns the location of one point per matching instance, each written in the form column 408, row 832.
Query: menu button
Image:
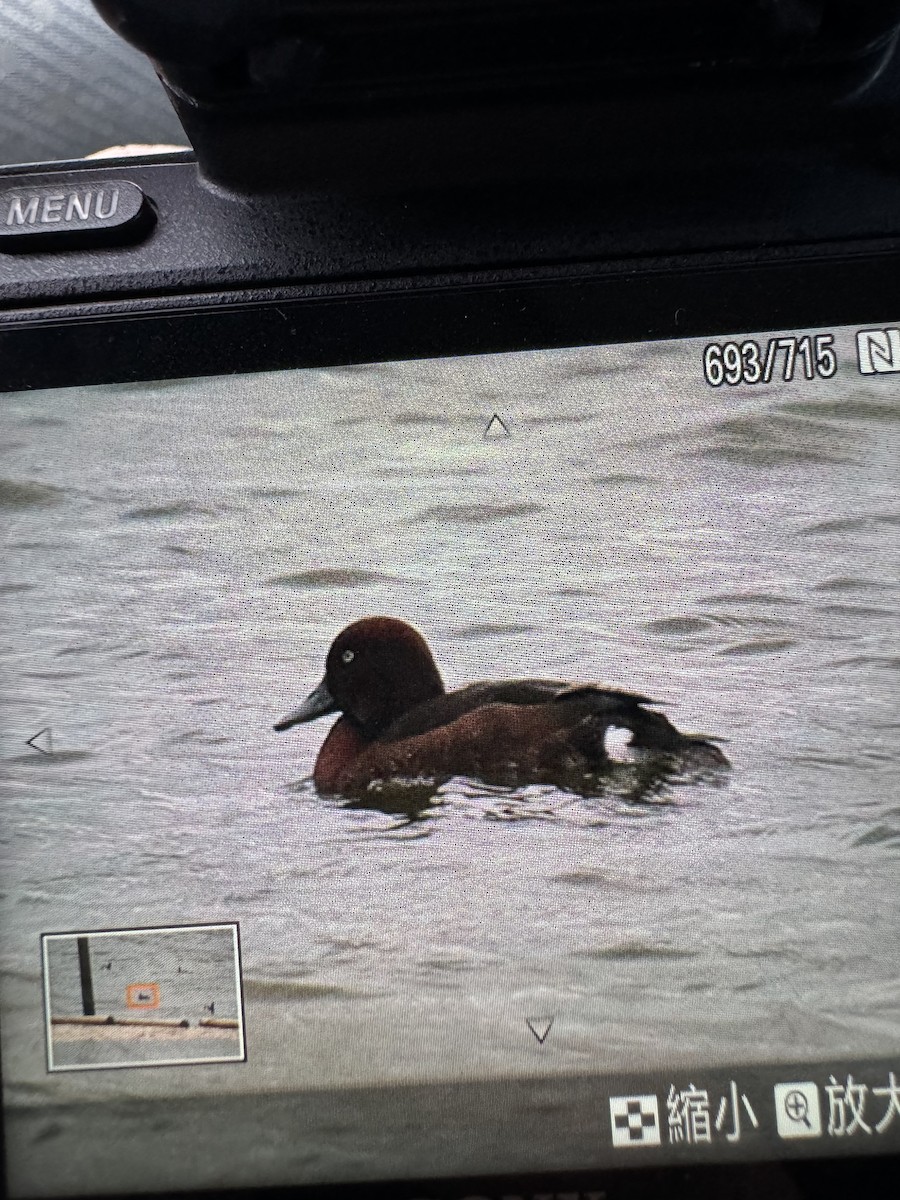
column 76, row 215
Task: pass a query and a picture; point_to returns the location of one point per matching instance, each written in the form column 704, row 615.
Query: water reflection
column 652, row 782
column 413, row 800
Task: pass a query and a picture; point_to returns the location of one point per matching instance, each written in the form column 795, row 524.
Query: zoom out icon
column 797, row 1110
column 634, row 1120
column 878, row 351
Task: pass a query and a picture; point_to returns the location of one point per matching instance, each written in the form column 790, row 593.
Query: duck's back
column 580, row 701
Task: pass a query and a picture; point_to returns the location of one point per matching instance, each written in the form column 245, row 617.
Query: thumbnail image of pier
column 143, row 997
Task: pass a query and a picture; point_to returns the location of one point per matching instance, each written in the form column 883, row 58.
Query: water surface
column 181, row 556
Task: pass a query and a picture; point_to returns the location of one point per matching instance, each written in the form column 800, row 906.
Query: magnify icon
column 798, row 1112
column 796, row 1106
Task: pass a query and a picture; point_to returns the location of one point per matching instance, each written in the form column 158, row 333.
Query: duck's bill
column 318, row 703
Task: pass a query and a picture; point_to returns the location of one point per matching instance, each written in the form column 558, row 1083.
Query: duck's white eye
column 348, row 656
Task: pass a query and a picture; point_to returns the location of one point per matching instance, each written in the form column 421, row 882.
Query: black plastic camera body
column 693, row 166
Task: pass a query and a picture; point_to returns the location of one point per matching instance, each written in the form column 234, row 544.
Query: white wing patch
column 617, row 744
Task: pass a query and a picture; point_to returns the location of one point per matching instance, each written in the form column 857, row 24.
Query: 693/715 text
column 781, row 358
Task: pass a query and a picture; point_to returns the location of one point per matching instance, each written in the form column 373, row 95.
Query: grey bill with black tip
column 319, row 703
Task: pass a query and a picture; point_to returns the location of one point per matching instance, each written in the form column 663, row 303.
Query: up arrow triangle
column 497, row 427
column 41, row 741
column 540, row 1027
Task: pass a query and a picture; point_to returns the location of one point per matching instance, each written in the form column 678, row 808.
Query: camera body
column 379, row 183
column 342, row 150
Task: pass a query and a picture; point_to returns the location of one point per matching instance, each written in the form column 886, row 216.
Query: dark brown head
column 377, row 669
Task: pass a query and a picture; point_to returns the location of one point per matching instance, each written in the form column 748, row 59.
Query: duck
column 398, row 721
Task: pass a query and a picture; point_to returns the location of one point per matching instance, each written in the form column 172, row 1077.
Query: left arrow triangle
column 42, row 741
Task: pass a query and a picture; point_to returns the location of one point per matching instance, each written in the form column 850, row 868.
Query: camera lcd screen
column 631, row 900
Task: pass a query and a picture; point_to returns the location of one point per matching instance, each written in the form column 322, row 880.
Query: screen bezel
column 403, row 318
column 436, row 316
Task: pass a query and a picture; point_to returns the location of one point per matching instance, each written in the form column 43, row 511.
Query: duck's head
column 377, row 669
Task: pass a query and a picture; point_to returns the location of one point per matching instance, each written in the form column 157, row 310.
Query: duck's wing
column 442, row 710
column 604, row 697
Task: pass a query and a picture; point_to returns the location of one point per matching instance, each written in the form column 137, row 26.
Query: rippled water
column 183, row 554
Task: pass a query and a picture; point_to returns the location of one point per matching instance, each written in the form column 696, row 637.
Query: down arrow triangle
column 540, row 1027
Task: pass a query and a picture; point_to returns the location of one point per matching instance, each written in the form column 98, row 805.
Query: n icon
column 878, row 351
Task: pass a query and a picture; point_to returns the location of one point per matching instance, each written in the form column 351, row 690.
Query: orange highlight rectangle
column 142, row 995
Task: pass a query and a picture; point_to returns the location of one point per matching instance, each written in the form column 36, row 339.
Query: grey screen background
column 181, row 555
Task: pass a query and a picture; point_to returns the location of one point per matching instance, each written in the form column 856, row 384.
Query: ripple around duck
column 52, row 674
column 275, row 493
column 605, row 370
column 637, row 950
column 255, row 432
column 622, row 480
column 294, row 989
column 839, row 525
column 765, row 598
column 767, row 456
column 427, row 420
column 623, row 792
column 59, row 758
column 853, row 524
column 489, row 630
column 775, row 439
column 24, row 493
column 892, row 662
column 879, row 835
column 162, row 512
column 855, row 610
column 557, row 419
column 679, row 625
column 40, row 421
column 328, row 577
column 476, row 514
column 760, row 646
column 849, row 409
column 847, row 583
column 194, row 737
column 754, row 621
